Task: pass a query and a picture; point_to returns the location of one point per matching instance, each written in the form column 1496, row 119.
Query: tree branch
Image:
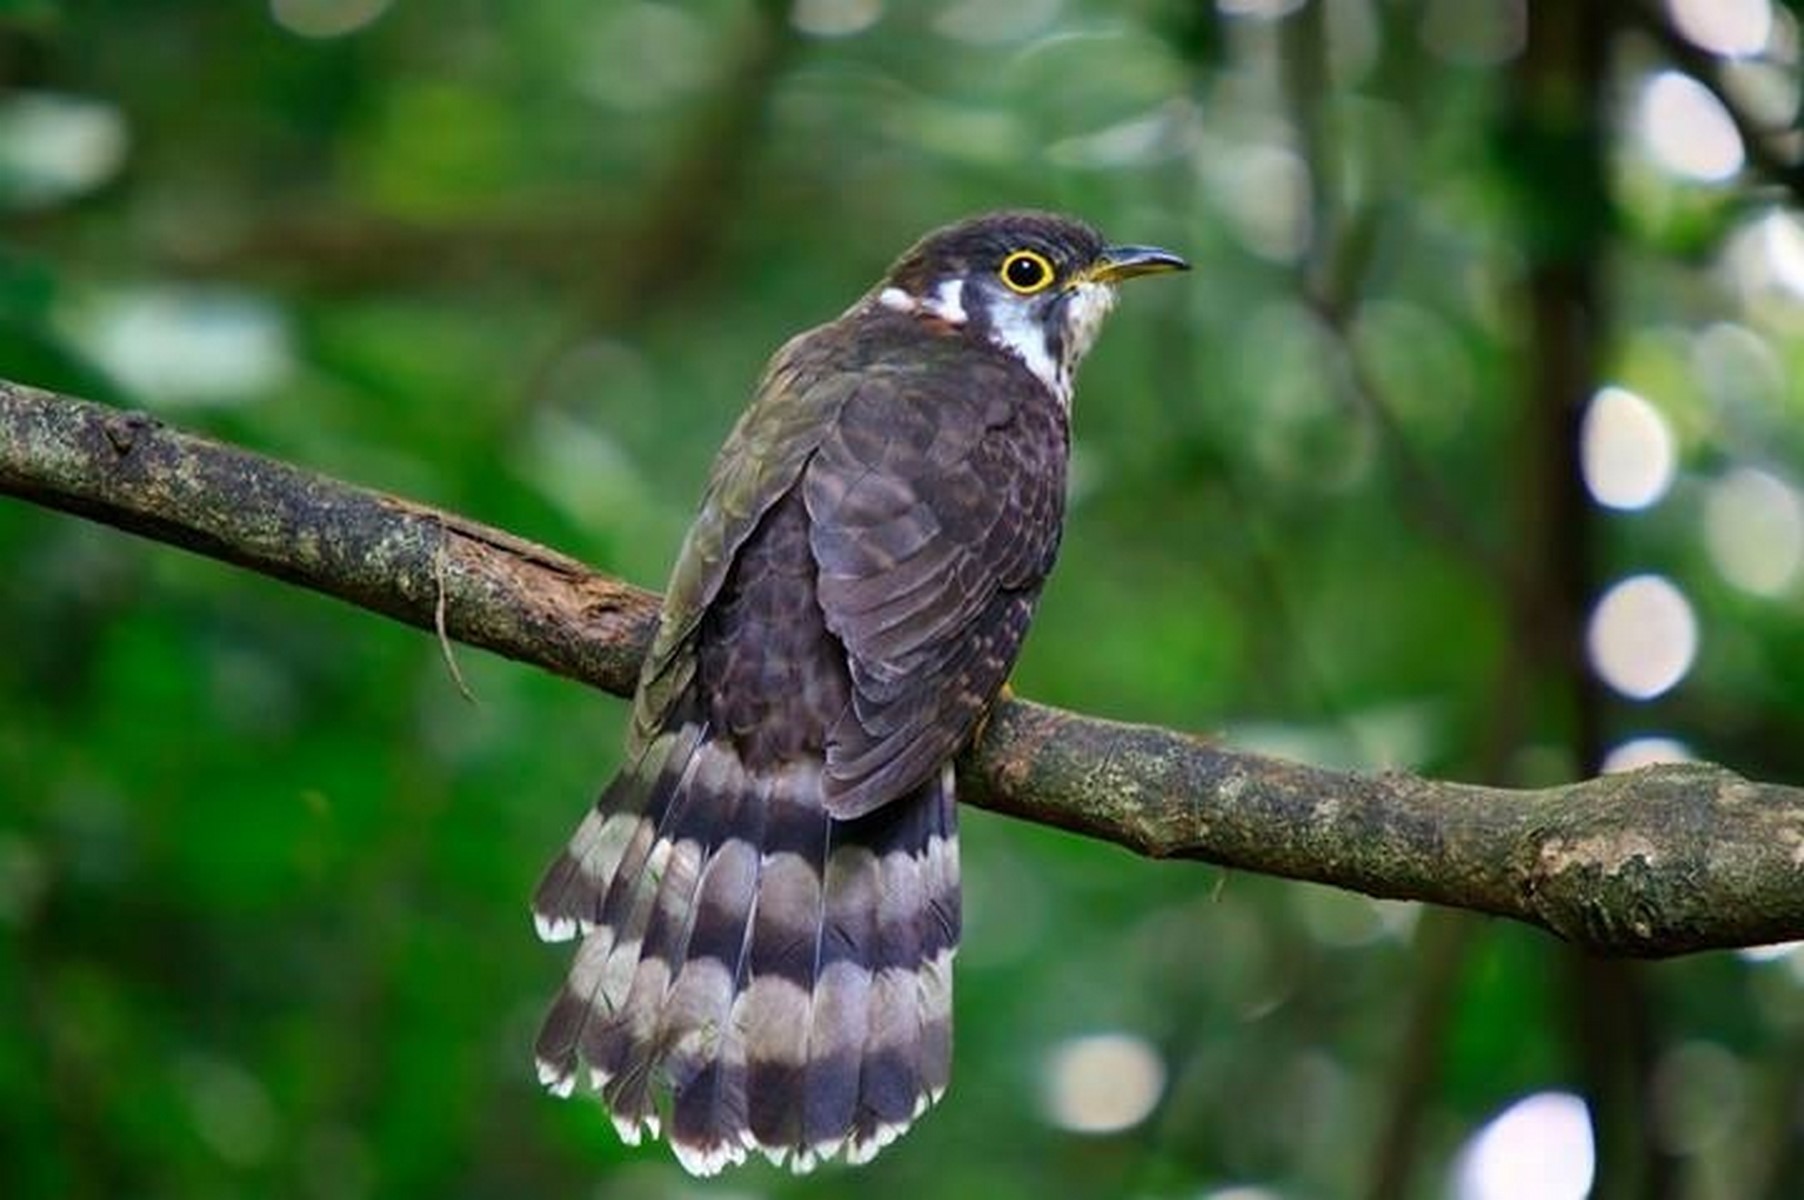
column 1661, row 861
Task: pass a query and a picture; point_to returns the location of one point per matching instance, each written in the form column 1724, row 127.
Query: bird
column 767, row 894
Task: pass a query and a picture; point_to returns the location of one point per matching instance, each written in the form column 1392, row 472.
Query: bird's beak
column 1117, row 263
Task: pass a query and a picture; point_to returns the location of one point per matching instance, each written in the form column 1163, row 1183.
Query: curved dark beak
column 1124, row 262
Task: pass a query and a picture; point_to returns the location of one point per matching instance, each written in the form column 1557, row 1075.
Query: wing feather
column 759, row 463
column 935, row 510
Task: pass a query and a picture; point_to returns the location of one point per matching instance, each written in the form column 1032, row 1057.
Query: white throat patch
column 1014, row 329
column 1083, row 319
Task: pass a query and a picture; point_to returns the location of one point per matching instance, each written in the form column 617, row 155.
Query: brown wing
column 756, row 467
column 936, row 502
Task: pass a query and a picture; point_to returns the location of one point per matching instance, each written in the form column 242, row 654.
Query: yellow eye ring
column 1026, row 272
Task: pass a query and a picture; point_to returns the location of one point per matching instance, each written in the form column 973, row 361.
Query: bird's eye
column 1026, row 272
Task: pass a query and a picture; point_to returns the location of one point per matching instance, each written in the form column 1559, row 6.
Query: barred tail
column 754, row 972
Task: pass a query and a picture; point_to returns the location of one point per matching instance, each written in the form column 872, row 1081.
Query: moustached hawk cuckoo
column 767, row 896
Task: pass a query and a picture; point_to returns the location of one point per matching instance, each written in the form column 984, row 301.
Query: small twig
column 438, row 615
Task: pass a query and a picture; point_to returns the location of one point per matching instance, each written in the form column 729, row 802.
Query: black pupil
column 1025, row 272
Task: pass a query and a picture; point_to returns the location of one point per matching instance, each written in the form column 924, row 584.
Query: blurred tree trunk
column 1555, row 142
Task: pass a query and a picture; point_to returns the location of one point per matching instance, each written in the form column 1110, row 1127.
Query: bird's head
column 1035, row 284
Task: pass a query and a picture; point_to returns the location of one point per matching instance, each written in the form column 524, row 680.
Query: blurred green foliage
column 263, row 871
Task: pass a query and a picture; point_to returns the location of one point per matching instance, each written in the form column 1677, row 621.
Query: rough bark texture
column 1660, row 861
column 380, row 552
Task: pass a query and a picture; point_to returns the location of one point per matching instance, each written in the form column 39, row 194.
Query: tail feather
column 909, row 1052
column 891, row 1082
column 613, row 839
column 695, row 825
column 707, row 1054
column 839, row 1024
column 625, row 913
column 762, row 974
column 941, row 926
column 775, row 1012
column 613, row 846
column 622, row 1048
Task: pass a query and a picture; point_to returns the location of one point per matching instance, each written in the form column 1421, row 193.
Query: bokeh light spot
column 325, row 18
column 1540, row 1146
column 1754, row 530
column 1764, row 259
column 988, row 23
column 1731, row 28
column 55, row 146
column 1645, row 752
column 1773, row 952
column 230, row 1108
column 644, row 82
column 1102, row 1083
column 1643, row 636
column 190, row 344
column 1136, row 142
column 1737, row 369
column 835, row 18
column 1626, row 449
column 1267, row 201
column 1686, row 130
column 1265, row 10
column 1783, row 239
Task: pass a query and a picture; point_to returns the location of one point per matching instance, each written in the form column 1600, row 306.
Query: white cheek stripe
column 948, row 302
